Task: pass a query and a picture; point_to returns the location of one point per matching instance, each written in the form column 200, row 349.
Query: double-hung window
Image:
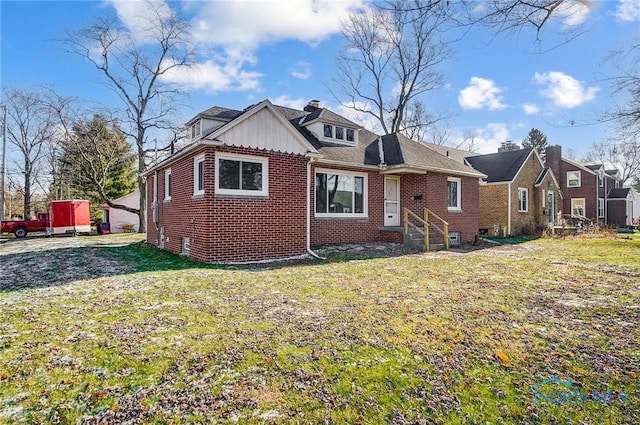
column 573, row 178
column 523, row 199
column 245, row 175
column 453, row 194
column 198, row 175
column 577, row 207
column 600, row 207
column 341, row 194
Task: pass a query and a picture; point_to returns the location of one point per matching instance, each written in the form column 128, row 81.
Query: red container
column 69, row 216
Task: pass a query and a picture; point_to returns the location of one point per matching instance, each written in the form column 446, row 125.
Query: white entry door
column 392, row 201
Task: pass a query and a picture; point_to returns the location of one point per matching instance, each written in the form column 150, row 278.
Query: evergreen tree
column 97, row 163
column 537, row 140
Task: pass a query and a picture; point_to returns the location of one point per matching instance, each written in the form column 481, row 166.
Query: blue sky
column 499, row 87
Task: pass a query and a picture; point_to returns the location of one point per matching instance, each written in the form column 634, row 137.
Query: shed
column 121, row 220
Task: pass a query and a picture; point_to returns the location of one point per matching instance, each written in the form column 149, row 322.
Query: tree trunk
column 27, row 190
column 142, row 188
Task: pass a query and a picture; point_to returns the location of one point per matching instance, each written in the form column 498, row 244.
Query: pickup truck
column 20, row 228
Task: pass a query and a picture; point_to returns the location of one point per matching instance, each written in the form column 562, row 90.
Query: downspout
column 509, row 211
column 156, row 213
column 309, row 181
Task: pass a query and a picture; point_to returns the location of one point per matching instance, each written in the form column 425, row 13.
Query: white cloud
column 301, row 70
column 564, row 90
column 251, row 23
column 628, row 11
column 575, row 12
column 285, row 100
column 491, row 137
column 530, row 109
column 221, row 73
column 138, row 16
column 480, row 94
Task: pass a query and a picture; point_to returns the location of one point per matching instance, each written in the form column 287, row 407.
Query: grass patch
column 445, row 338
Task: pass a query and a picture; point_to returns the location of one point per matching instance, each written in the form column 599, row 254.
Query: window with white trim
column 167, row 184
column 245, row 175
column 340, row 194
column 338, row 134
column 196, row 129
column 523, row 199
column 600, row 207
column 453, row 194
column 573, row 178
column 198, row 175
column 577, row 207
column 600, row 180
column 544, row 198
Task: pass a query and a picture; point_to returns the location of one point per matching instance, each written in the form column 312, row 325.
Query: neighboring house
column 270, row 182
column 586, row 187
column 620, row 203
column 121, row 220
column 519, row 196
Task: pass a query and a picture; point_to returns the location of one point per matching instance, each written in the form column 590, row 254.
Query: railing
column 426, row 223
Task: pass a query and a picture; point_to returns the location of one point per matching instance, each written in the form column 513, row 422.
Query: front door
column 551, row 208
column 392, row 201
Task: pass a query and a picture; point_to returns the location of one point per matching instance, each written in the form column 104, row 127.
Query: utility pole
column 4, row 161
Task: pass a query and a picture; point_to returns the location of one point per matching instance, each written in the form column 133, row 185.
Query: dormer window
column 196, row 130
column 336, row 133
column 350, row 135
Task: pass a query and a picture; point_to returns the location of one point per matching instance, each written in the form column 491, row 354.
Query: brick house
column 270, row 182
column 586, row 187
column 519, row 196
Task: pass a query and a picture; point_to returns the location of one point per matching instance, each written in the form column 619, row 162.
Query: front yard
column 106, row 330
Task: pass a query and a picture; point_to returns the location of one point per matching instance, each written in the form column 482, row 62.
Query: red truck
column 20, row 228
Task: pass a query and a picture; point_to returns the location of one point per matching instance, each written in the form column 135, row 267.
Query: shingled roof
column 618, row 193
column 500, row 166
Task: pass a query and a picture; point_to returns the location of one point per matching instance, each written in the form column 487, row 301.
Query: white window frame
column 523, row 191
column 197, row 160
column 196, row 129
column 240, row 158
column 544, row 198
column 579, row 178
column 574, row 201
column 458, row 194
column 600, row 207
column 365, row 194
column 600, row 180
column 167, row 184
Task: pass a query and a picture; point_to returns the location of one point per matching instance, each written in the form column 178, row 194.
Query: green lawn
column 149, row 337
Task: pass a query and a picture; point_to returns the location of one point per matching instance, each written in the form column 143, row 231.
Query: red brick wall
column 231, row 228
column 587, row 190
column 347, row 230
column 432, row 187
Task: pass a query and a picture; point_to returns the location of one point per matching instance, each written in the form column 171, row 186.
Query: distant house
column 519, row 196
column 586, row 187
column 620, row 203
column 120, row 220
column 270, row 182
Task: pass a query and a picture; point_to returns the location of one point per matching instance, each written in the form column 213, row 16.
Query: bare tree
column 133, row 66
column 627, row 83
column 623, row 156
column 30, row 128
column 391, row 58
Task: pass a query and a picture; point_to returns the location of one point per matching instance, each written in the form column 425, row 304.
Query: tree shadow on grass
column 59, row 266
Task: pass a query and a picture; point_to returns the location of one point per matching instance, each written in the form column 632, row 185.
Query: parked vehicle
column 20, row 228
column 69, row 216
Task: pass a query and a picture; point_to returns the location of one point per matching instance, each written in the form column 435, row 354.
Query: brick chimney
column 553, row 160
column 312, row 105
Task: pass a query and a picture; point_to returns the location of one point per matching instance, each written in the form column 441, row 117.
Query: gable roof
column 501, row 166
